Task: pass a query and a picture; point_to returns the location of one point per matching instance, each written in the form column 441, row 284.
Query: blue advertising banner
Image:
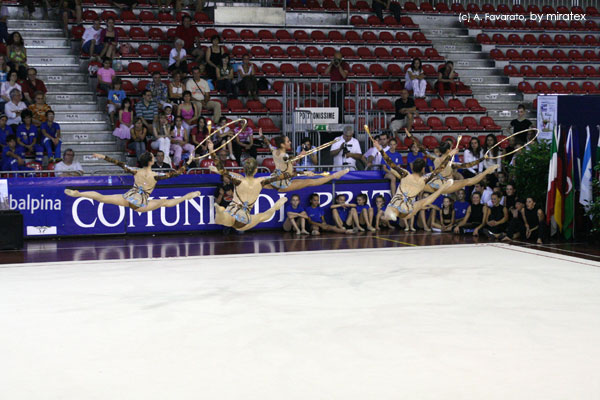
column 48, row 211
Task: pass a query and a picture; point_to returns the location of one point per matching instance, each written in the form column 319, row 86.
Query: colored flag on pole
column 552, row 176
column 585, row 194
column 569, row 188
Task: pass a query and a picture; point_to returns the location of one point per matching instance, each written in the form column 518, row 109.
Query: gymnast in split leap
column 137, row 198
column 285, row 164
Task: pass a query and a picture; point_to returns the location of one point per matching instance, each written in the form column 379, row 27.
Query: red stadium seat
column 589, row 87
column 254, row 106
column 558, row 87
column 301, row 36
column 436, row 124
column 288, row 70
column 439, row 105
column 247, row 35
column 454, row 124
column 471, row 124
column 335, row 36
column 489, row 124
column 525, row 87
column 573, row 87
column 145, row 50
column 274, row 106
column 511, row 70
column 137, row 33
column 382, row 54
column 430, row 142
column 353, row 37
column 155, row 66
column 283, row 36
column 267, row 125
column 305, row 69
column 457, row 106
column 474, row 105
column 385, row 105
column 369, row 37
column 265, row 35
column 312, row 52
column 543, row 71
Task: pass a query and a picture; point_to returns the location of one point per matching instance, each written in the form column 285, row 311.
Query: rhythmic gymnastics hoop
column 311, row 151
column 211, row 134
column 515, row 150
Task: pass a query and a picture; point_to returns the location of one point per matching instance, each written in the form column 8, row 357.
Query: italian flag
column 552, row 177
column 569, row 189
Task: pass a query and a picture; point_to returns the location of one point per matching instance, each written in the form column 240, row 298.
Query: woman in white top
column 10, row 84
column 490, row 140
column 247, row 78
column 177, row 57
column 176, row 90
column 180, row 141
column 162, row 136
column 472, row 153
column 415, row 79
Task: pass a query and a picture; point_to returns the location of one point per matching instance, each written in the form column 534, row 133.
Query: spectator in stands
column 295, row 216
column 70, row 9
column 147, row 109
column 177, row 58
column 474, row 218
column 223, row 135
column 138, row 138
column 4, row 69
column 68, row 167
column 109, row 39
column 27, row 136
column 106, row 74
column 168, row 110
column 520, row 124
column 495, row 219
column 159, row 90
column 162, row 136
column 198, row 134
column 485, row 192
column 13, row 109
column 214, row 53
column 490, row 141
column 91, row 40
column 532, row 226
column 201, row 94
column 307, row 161
column 443, row 218
column 191, row 38
column 338, row 73
column 364, row 212
column 50, row 131
column 5, row 130
column 373, row 156
column 188, row 111
column 472, row 152
column 412, row 155
column 225, row 78
column 180, row 142
column 176, row 89
column 392, row 5
column 125, row 5
column 159, row 161
column 346, row 152
column 17, row 55
column 247, row 78
column 115, row 99
column 406, row 111
column 316, row 218
column 243, row 144
column 345, row 215
column 39, row 109
column 397, row 159
column 13, row 156
column 125, row 121
column 460, row 205
column 10, row 85
column 3, row 25
column 415, row 79
column 33, row 85
column 446, row 80
column 510, row 197
column 379, row 211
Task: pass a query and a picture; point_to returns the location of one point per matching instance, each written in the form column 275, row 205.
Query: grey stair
column 64, row 77
column 63, row 87
column 42, row 51
column 31, row 33
column 472, row 80
column 90, row 147
column 70, row 97
column 46, row 41
column 53, row 60
column 490, row 75
column 24, row 24
column 56, row 68
column 83, row 127
column 97, row 135
column 463, row 55
column 81, row 116
column 435, row 33
column 80, row 106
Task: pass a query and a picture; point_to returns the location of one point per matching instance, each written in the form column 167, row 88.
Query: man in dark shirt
column 520, row 124
column 338, row 72
column 191, row 38
column 32, row 85
column 405, row 113
column 159, row 162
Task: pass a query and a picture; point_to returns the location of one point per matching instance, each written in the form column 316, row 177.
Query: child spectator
column 474, row 218
column 106, row 75
column 115, row 98
column 39, row 109
column 316, row 216
column 516, row 224
column 426, row 215
column 491, row 141
column 444, row 218
column 412, row 156
column 397, row 159
column 224, row 192
column 125, row 121
column 169, row 115
column 379, row 212
column 364, row 212
column 495, row 219
column 344, row 214
column 13, row 156
column 91, row 40
column 5, row 130
column 51, row 137
column 295, row 216
column 162, row 136
column 179, row 142
column 109, row 39
column 27, row 135
column 472, row 153
column 460, row 205
column 223, row 136
column 138, row 138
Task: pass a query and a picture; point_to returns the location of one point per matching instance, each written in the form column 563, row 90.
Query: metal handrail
column 260, row 169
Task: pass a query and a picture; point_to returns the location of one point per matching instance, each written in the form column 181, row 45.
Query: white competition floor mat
column 447, row 322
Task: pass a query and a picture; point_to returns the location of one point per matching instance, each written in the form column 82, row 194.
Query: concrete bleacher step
column 83, row 126
column 33, row 33
column 94, row 146
column 70, row 97
column 80, row 106
column 81, row 116
column 52, row 76
column 33, row 25
column 436, row 32
column 463, row 55
column 52, row 60
column 66, row 86
column 44, row 51
column 46, row 42
column 489, row 88
column 97, row 135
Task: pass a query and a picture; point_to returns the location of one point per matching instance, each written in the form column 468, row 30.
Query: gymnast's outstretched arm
column 286, row 175
column 116, row 162
column 170, row 174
